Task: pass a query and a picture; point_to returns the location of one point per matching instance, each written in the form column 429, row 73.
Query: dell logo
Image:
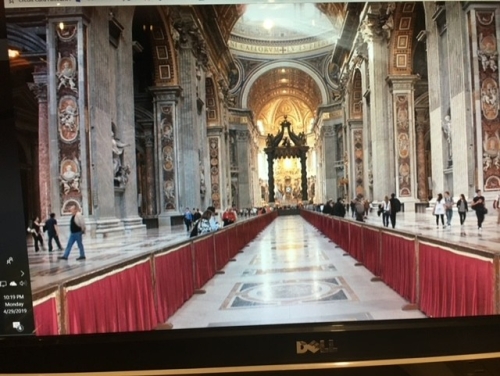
column 314, row 346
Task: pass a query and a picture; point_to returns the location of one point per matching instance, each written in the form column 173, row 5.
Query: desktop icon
column 3, row 283
column 18, row 326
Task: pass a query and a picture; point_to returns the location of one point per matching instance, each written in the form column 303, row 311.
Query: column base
column 134, row 225
column 170, row 218
column 108, row 228
column 409, row 204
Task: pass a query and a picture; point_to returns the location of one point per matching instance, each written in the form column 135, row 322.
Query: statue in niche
column 70, row 177
column 496, row 161
column 66, row 73
column 120, row 172
column 446, row 127
column 203, row 188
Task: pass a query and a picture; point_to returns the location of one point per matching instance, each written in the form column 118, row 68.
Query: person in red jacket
column 229, row 216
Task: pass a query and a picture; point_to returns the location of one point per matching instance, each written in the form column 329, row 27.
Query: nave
column 291, row 273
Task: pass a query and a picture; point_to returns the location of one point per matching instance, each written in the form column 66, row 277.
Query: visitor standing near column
column 76, row 229
column 395, row 208
column 448, row 204
column 52, row 231
column 462, row 208
column 478, row 205
column 439, row 210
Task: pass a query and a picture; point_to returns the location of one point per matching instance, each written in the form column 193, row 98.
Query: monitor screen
column 306, row 180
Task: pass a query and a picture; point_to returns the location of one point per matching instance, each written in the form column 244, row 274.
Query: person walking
column 53, row 231
column 386, row 211
column 448, row 204
column 478, row 204
column 439, row 210
column 35, row 228
column 188, row 219
column 395, row 208
column 76, row 229
column 462, row 209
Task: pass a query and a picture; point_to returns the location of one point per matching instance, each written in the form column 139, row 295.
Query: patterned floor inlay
column 287, row 258
column 288, row 292
column 315, row 268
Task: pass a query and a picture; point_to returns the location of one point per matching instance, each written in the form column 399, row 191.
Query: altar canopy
column 287, row 144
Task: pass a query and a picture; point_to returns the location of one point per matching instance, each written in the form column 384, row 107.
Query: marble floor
column 289, row 273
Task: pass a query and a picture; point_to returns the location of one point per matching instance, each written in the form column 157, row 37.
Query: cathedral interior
column 135, row 113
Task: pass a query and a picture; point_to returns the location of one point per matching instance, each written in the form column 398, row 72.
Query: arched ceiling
column 282, row 32
column 297, row 111
column 285, row 83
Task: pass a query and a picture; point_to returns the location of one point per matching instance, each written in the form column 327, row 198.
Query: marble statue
column 70, row 179
column 117, row 148
column 66, row 73
column 67, row 118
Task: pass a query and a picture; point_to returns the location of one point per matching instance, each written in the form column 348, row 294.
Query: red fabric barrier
column 221, row 249
column 371, row 250
column 174, row 280
column 119, row 302
column 398, row 269
column 343, row 235
column 204, row 261
column 453, row 284
column 46, row 319
column 355, row 247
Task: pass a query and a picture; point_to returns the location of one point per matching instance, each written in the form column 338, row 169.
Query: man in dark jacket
column 395, row 208
column 339, row 208
column 327, row 209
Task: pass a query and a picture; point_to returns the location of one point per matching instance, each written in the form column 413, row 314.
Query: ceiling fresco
column 284, row 83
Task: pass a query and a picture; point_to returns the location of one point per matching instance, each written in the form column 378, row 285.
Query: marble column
column 380, row 121
column 68, row 134
column 483, row 35
column 242, row 141
column 167, row 153
column 404, row 136
column 421, row 125
column 191, row 106
column 328, row 137
column 150, row 170
column 39, row 88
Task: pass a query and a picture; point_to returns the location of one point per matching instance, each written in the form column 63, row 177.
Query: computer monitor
column 281, row 347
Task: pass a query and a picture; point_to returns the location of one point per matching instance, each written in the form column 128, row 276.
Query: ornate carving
column 189, row 36
column 39, row 89
column 70, row 175
column 66, row 72
column 213, row 143
column 489, row 98
column 242, row 136
column 68, row 118
column 120, row 171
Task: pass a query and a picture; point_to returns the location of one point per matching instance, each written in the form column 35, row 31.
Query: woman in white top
column 439, row 210
column 386, row 207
